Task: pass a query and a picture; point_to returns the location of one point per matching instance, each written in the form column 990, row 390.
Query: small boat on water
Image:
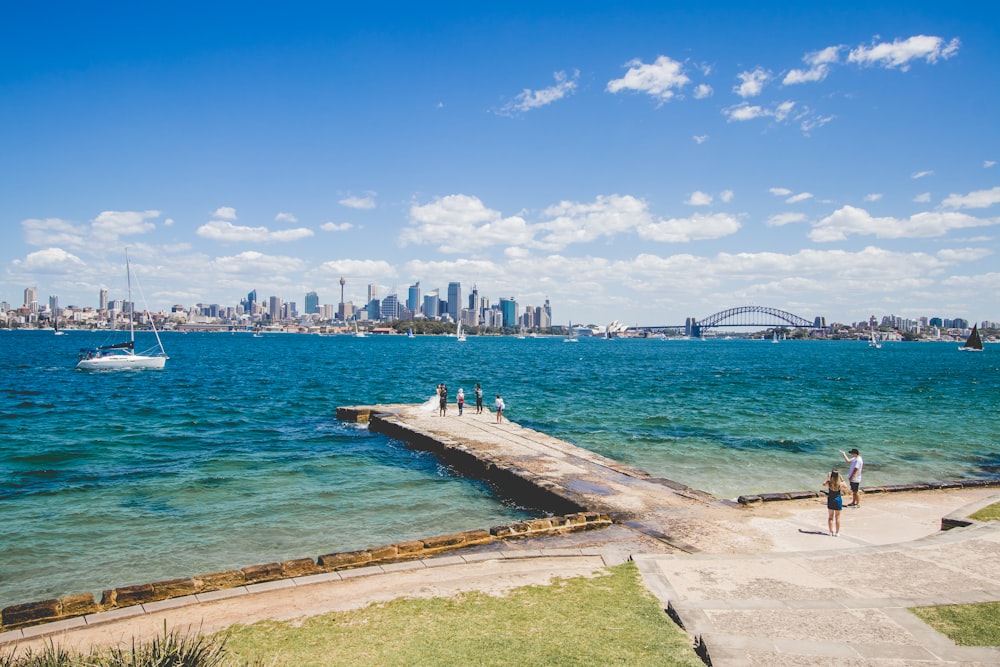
column 874, row 341
column 122, row 356
column 974, row 343
column 571, row 337
column 358, row 333
column 55, row 327
column 458, row 333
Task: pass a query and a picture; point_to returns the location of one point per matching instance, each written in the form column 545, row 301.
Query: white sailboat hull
column 117, row 362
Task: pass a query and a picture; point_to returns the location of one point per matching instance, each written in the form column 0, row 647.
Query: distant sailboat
column 774, row 337
column 55, row 327
column 873, row 340
column 974, row 343
column 458, row 332
column 571, row 338
column 409, row 333
column 358, row 333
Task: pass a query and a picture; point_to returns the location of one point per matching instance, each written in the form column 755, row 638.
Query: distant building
column 508, row 308
column 455, row 300
column 311, row 303
column 390, row 308
column 413, row 298
column 431, row 305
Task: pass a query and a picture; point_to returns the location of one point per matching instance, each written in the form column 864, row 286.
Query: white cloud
column 782, row 219
column 977, row 199
column 169, row 222
column 752, row 83
column 50, row 260
column 700, row 138
column 699, row 198
column 110, row 225
column 661, row 79
column 226, row 232
column 366, row 202
column 462, row 223
column 989, row 163
column 900, row 53
column 285, row 217
column 727, row 196
column 819, row 66
column 802, row 196
column 850, row 220
column 702, row 90
column 53, row 231
column 533, row 99
column 697, row 227
column 874, row 196
column 921, row 174
column 744, row 111
column 225, row 213
column 255, row 264
column 336, row 227
column 780, row 192
column 358, row 269
column 922, row 198
column 574, row 222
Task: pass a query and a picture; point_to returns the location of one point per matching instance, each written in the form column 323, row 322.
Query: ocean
column 233, row 456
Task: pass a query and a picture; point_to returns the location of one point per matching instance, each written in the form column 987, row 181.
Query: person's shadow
column 813, row 532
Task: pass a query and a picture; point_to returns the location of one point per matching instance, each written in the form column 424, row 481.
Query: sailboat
column 458, row 332
column 774, row 336
column 873, row 340
column 120, row 356
column 409, row 333
column 55, row 327
column 974, row 343
column 571, row 338
column 358, row 333
column 520, row 333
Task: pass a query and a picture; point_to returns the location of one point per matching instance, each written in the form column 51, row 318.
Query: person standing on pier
column 499, row 406
column 460, row 399
column 443, row 400
column 854, row 475
column 834, row 486
column 479, row 399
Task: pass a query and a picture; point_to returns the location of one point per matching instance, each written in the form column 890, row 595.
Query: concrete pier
column 537, row 470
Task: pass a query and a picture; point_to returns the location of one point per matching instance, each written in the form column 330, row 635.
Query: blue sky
column 645, row 163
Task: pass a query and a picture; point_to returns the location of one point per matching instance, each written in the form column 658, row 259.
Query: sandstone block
column 383, row 553
column 298, row 567
column 443, row 541
column 129, row 595
column 76, row 605
column 173, row 588
column 476, row 537
column 265, row 572
column 409, row 548
column 217, row 581
column 30, row 612
column 501, row 531
column 345, row 559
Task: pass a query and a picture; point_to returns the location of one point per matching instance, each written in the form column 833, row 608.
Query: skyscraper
column 104, row 299
column 31, row 299
column 413, row 298
column 431, row 303
column 455, row 300
column 274, row 308
column 509, row 309
column 390, row 308
column 312, row 303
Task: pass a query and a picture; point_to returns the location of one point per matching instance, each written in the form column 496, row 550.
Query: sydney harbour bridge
column 742, row 316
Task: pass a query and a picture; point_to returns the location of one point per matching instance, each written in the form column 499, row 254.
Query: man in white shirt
column 854, row 475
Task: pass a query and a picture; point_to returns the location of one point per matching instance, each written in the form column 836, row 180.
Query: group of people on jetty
column 442, row 398
column 835, row 486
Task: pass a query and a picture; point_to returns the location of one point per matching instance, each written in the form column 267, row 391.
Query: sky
column 645, row 163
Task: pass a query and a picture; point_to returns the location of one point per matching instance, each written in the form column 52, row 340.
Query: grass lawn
column 988, row 513
column 606, row 620
column 965, row 624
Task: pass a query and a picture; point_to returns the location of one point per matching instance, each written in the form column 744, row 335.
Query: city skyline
column 644, row 164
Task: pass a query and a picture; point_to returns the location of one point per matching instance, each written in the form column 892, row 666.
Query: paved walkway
column 837, row 606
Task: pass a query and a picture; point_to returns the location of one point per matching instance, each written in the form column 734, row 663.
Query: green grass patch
column 965, row 624
column 607, row 620
column 988, row 513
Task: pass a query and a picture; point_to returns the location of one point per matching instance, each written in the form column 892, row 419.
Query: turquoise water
column 233, row 456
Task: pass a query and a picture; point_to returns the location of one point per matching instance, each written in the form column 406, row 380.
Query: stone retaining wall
column 44, row 611
column 895, row 488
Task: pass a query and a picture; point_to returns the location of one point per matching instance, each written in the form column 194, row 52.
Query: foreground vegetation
column 964, row 624
column 606, row 620
column 988, row 513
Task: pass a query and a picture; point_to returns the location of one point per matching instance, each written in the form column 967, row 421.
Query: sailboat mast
column 131, row 307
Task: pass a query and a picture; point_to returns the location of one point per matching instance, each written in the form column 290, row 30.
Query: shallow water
column 232, row 455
